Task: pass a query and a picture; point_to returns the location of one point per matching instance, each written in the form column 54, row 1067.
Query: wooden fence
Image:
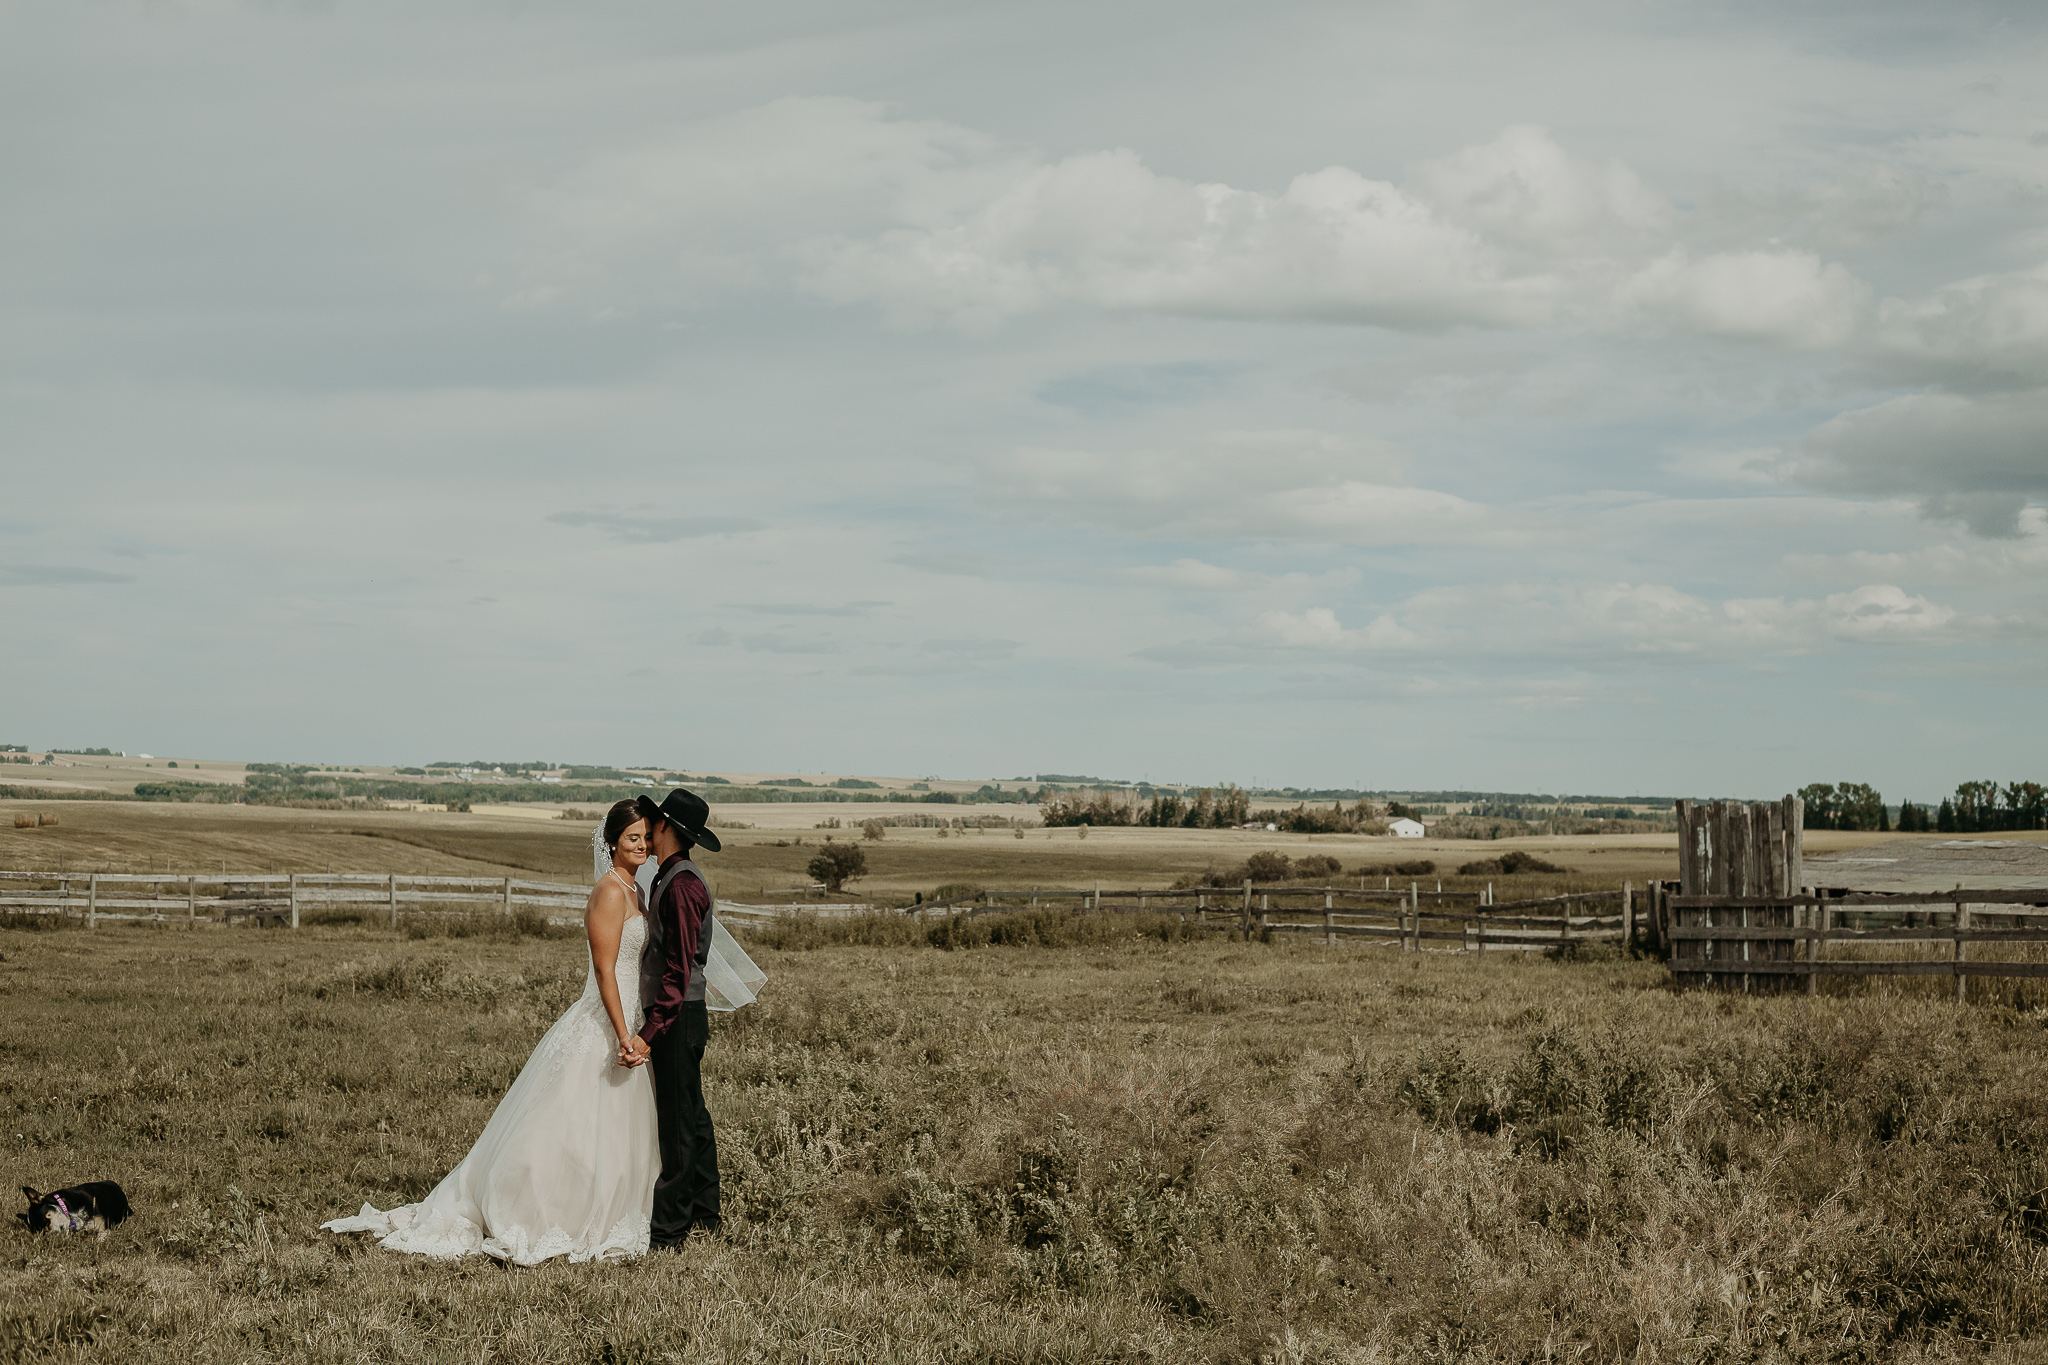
column 1739, row 917
column 269, row 897
column 1470, row 920
column 1769, row 944
column 1335, row 913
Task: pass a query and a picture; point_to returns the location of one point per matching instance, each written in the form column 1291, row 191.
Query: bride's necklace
column 632, row 887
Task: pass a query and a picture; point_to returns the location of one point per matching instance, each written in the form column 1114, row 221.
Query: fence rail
column 1774, row 940
column 279, row 896
column 1367, row 915
column 1393, row 917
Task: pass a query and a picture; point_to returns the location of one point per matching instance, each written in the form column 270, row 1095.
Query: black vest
column 654, row 957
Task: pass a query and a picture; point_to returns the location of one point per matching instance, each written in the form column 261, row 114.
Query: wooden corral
column 1741, row 916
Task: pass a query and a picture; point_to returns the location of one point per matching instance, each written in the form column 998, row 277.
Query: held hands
column 633, row 1050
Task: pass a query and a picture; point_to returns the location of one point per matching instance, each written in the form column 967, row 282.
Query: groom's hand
column 633, row 1051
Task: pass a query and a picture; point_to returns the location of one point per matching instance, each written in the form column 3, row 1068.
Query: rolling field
column 1105, row 1141
column 118, row 836
column 1117, row 1147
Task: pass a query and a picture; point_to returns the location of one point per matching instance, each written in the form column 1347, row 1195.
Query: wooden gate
column 1733, row 848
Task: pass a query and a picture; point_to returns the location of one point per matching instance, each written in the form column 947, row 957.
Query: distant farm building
column 1404, row 828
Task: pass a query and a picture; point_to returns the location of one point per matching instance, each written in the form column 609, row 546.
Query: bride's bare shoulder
column 609, row 898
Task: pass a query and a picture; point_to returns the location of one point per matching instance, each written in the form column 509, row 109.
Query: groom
column 672, row 988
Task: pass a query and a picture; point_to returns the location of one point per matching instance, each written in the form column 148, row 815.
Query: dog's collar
column 71, row 1219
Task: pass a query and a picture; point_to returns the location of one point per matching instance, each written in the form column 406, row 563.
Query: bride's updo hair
column 616, row 820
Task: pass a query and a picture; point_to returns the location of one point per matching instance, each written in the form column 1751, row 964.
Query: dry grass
column 1130, row 1149
column 135, row 837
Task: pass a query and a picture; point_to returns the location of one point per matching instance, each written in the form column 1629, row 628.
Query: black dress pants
column 686, row 1194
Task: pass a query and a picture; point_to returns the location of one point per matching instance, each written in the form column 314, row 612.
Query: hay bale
column 23, row 820
column 46, row 820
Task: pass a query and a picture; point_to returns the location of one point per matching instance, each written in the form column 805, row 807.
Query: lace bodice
column 626, row 971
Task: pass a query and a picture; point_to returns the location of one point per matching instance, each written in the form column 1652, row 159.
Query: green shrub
column 1413, row 867
column 1507, row 865
column 1268, row 867
column 1051, row 929
column 837, row 864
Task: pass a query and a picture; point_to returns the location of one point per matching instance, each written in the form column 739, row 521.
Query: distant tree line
column 1976, row 807
column 1210, row 808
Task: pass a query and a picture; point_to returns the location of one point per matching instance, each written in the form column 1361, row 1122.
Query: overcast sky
column 1608, row 397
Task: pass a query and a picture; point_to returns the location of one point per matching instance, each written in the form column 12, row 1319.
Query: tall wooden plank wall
column 1735, row 848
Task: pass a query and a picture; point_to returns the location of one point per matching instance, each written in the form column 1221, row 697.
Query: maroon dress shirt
column 681, row 914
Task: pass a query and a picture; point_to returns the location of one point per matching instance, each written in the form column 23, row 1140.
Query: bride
column 566, row 1166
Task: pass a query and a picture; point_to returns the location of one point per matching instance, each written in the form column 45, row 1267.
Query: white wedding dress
column 566, row 1166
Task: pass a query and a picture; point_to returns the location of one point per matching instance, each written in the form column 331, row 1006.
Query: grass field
column 1117, row 1147
column 120, row 836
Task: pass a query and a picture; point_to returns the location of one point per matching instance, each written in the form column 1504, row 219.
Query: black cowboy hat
column 687, row 811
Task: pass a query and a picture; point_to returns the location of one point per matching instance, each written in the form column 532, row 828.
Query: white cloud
column 1883, row 612
column 1104, row 229
column 934, row 222
column 1319, row 629
column 1786, row 298
column 1582, row 623
column 1528, row 195
column 1514, row 232
column 1248, row 485
column 1986, row 331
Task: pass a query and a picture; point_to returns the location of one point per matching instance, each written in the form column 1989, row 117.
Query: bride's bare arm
column 605, row 921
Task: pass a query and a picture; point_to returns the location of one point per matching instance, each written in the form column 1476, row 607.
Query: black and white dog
column 92, row 1207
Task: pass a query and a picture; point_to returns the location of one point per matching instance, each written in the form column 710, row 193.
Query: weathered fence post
column 392, row 892
column 1329, row 919
column 1415, row 917
column 1962, row 948
column 295, row 900
column 191, row 902
column 92, row 901
column 1201, row 909
column 1628, row 917
column 1098, row 898
column 508, row 897
column 1814, row 946
column 1245, row 921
